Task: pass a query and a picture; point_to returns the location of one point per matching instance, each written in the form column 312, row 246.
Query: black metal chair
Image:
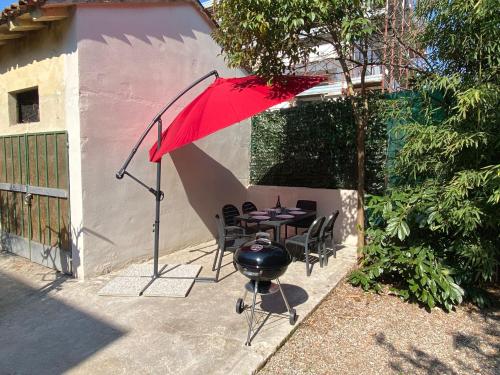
column 249, row 207
column 304, row 223
column 231, row 225
column 225, row 243
column 310, row 241
column 326, row 235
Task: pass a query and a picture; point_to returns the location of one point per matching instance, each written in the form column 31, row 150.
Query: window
column 25, row 106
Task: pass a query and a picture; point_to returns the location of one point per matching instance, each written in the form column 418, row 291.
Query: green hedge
column 314, row 145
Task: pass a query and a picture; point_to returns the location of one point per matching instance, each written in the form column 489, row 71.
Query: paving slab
column 140, row 270
column 175, row 281
column 54, row 324
column 125, row 286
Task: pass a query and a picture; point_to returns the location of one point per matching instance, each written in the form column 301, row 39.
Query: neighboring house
column 79, row 82
column 398, row 16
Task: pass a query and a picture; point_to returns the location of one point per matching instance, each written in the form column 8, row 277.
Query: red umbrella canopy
column 225, row 102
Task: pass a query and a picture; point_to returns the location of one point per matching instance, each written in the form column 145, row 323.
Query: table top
column 275, row 221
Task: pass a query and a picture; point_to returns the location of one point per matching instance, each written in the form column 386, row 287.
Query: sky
column 6, row 3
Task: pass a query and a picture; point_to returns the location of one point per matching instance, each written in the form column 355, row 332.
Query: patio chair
column 231, row 227
column 310, row 241
column 249, row 207
column 326, row 235
column 225, row 243
column 304, row 223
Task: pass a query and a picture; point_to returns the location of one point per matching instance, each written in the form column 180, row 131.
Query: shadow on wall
column 43, row 335
column 346, row 222
column 127, row 27
column 129, row 24
column 49, row 245
column 56, row 40
column 57, row 248
column 208, row 184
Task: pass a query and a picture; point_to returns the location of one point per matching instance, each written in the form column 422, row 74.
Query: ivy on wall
column 314, row 145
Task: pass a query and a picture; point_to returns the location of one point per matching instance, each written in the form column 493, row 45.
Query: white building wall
column 36, row 60
column 132, row 60
column 70, row 75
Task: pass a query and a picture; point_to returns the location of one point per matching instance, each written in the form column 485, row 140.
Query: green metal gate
column 34, row 198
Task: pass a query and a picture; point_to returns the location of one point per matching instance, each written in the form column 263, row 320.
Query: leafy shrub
column 435, row 235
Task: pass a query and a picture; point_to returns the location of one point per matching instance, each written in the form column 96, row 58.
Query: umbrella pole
column 158, row 198
column 158, row 193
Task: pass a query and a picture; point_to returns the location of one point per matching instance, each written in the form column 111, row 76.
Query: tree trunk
column 360, row 118
column 360, row 111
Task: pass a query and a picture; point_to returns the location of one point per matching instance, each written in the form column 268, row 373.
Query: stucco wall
column 132, row 61
column 38, row 59
column 328, row 200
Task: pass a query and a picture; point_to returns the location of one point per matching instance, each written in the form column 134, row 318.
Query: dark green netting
column 314, row 145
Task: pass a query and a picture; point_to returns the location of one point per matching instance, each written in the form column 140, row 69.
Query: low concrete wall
column 328, row 201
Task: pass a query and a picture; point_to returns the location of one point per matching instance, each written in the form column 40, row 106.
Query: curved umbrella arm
column 119, row 175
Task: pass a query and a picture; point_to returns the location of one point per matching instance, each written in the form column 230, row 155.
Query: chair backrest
column 248, row 207
column 315, row 229
column 229, row 212
column 306, row 205
column 327, row 229
column 220, row 230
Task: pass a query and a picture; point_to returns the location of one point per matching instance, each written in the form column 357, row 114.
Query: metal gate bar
column 6, row 194
column 19, row 158
column 13, row 179
column 27, row 171
column 47, row 183
column 38, row 184
column 58, row 200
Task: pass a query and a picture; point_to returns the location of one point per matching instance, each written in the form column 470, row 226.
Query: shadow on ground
column 484, row 347
column 41, row 335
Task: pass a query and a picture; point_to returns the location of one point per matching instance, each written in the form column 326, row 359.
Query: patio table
column 276, row 222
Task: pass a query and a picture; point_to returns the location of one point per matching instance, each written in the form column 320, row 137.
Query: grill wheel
column 293, row 317
column 240, row 306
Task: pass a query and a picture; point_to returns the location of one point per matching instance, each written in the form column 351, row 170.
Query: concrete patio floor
column 53, row 324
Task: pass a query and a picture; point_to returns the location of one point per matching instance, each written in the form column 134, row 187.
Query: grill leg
column 292, row 314
column 284, row 297
column 250, row 326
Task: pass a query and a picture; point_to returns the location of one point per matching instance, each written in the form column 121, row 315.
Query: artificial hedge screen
column 314, row 145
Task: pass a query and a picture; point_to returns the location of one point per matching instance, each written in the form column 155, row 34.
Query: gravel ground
column 353, row 332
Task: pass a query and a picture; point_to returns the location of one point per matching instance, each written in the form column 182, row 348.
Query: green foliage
column 437, row 230
column 425, row 279
column 313, row 145
column 267, row 36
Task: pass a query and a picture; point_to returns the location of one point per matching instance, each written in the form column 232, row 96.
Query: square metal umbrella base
column 174, row 280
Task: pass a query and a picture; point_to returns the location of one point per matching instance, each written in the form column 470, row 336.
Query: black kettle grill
column 262, row 261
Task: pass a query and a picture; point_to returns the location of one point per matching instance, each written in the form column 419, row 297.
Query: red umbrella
column 225, row 102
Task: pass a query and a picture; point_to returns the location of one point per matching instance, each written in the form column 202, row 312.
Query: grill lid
column 262, row 254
